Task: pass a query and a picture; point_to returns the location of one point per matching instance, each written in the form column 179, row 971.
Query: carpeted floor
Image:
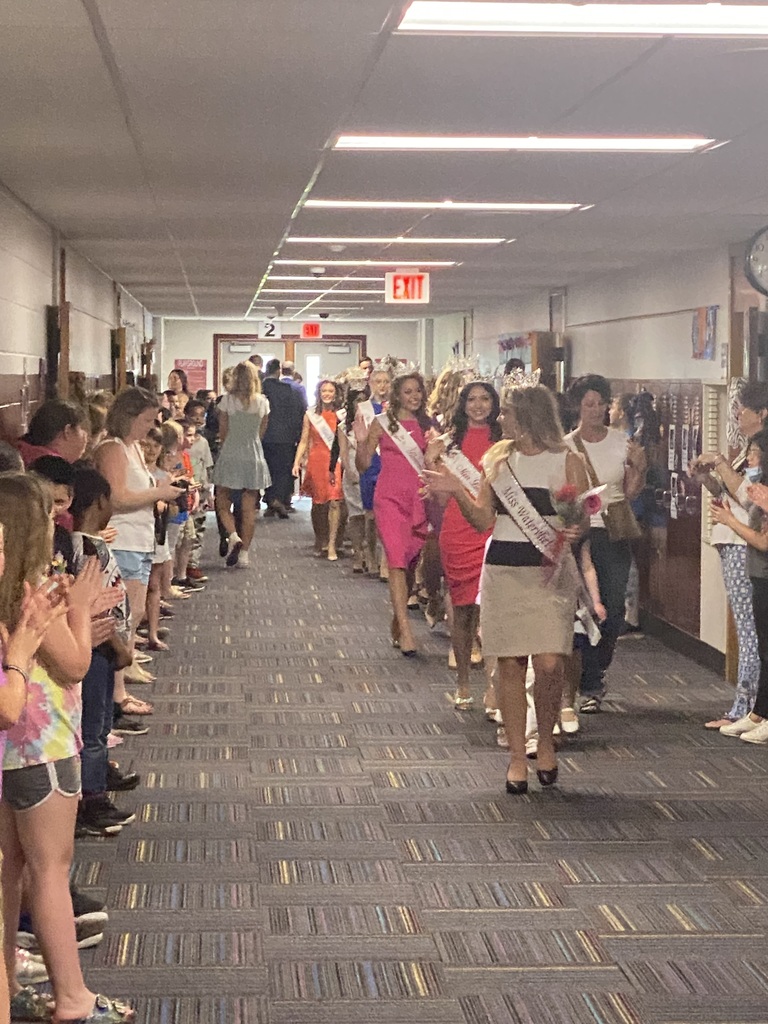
column 322, row 839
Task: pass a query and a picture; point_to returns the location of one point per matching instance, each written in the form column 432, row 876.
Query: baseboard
column 685, row 644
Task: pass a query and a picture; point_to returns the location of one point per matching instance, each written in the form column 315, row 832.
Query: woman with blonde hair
column 243, row 417
column 529, row 583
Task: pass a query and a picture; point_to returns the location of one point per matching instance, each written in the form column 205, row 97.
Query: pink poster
column 196, row 371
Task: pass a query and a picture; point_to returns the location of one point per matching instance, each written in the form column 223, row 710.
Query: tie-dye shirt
column 48, row 728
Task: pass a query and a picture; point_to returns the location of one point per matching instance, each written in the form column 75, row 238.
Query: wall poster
column 196, row 371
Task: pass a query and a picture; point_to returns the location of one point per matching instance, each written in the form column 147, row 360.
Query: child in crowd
column 41, row 764
column 60, row 476
column 152, row 446
column 91, row 511
column 202, row 469
column 188, row 504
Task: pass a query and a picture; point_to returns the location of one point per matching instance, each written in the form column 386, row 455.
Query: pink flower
column 592, row 504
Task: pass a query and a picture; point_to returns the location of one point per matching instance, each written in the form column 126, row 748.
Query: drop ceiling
column 173, row 143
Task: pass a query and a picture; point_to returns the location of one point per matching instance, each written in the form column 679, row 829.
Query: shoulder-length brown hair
column 130, row 403
column 338, row 400
column 25, row 517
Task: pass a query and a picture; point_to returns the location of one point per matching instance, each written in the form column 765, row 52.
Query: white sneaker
column 743, row 725
column 244, row 560
column 757, row 735
column 29, row 970
column 569, row 720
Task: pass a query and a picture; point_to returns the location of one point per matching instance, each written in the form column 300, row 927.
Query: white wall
column 526, row 313
column 193, row 339
column 448, row 330
column 92, row 315
column 26, row 285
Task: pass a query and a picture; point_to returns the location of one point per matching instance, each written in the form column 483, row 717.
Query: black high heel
column 409, row 654
column 517, row 788
column 547, row 777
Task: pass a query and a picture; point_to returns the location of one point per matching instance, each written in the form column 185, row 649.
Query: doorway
column 229, row 350
column 316, row 360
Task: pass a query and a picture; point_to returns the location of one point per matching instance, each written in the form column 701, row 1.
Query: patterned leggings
column 733, row 558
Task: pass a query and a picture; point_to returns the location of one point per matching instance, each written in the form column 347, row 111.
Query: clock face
column 756, row 263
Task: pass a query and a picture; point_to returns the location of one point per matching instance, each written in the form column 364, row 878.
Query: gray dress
column 241, row 464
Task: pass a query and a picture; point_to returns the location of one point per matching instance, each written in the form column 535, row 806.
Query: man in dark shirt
column 286, row 416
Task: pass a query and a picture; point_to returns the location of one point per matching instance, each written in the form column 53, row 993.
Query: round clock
column 756, row 262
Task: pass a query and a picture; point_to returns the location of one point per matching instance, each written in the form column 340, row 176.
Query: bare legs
column 548, row 669
column 247, row 514
column 319, row 516
column 356, row 528
column 465, row 619
column 400, row 582
column 334, row 522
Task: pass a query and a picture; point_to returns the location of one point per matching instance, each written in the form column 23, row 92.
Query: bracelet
column 15, row 668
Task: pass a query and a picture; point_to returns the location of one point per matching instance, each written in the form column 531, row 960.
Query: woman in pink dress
column 401, row 519
column 475, row 428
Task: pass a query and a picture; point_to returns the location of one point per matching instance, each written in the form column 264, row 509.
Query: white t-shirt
column 722, row 534
column 259, row 405
column 608, row 458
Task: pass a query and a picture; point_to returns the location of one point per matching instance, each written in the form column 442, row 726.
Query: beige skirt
column 523, row 612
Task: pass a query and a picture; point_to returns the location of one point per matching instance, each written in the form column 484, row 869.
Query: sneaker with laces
column 739, row 727
column 196, row 575
column 87, row 908
column 91, row 821
column 29, row 970
column 244, row 560
column 129, row 727
column 569, row 720
column 110, row 810
column 234, row 547
column 758, row 735
column 121, row 782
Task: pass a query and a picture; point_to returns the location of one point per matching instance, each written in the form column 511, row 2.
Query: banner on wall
column 703, row 332
column 196, row 371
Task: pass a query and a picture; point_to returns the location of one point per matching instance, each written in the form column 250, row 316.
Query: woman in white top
column 621, row 465
column 729, row 486
column 120, row 459
column 527, row 599
column 243, row 417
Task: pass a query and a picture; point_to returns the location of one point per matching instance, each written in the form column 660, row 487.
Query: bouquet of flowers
column 572, row 507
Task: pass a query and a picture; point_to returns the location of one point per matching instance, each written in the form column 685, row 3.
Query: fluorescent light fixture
column 612, row 19
column 399, row 240
column 313, row 277
column 368, row 263
column 323, row 291
column 442, row 204
column 527, row 144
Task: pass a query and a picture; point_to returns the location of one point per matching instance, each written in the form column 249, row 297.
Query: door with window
column 229, row 350
column 315, row 360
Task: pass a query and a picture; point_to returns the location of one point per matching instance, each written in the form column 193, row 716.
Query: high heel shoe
column 547, row 777
column 412, row 653
column 517, row 788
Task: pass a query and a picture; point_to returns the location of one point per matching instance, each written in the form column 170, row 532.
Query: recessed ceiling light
column 399, row 240
column 630, row 19
column 370, row 263
column 323, row 291
column 529, row 144
column 443, row 204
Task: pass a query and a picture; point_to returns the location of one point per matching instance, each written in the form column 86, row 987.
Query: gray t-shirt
column 757, row 561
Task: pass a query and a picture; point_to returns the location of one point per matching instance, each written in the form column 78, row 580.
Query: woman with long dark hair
column 475, row 429
column 317, row 436
column 345, row 449
column 401, row 435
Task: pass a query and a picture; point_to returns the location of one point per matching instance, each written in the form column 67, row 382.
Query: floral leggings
column 733, row 559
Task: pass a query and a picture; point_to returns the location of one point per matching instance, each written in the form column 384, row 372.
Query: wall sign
column 311, row 331
column 269, row 330
column 196, row 371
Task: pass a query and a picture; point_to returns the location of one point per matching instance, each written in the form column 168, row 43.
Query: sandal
column 30, row 1005
column 134, row 706
column 105, row 1011
column 157, row 645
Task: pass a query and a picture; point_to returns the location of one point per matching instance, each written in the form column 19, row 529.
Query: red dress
column 462, row 547
column 316, row 483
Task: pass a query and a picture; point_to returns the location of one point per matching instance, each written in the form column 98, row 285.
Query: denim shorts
column 25, row 788
column 134, row 565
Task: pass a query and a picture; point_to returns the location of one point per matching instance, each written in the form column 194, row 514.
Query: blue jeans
column 611, row 560
column 98, row 689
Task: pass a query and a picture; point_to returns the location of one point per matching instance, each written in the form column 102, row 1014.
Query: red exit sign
column 311, row 330
column 410, row 287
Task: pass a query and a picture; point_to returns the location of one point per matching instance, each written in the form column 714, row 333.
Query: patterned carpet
column 322, row 839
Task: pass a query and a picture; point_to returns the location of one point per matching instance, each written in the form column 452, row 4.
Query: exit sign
column 311, row 330
column 400, row 287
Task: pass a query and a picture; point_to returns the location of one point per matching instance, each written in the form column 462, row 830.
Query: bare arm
column 223, row 426
column 112, row 462
column 635, row 471
column 263, row 426
column 479, row 512
column 66, row 648
column 303, row 445
column 707, row 463
column 755, row 538
column 367, row 445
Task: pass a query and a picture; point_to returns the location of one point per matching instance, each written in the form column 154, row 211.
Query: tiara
column 520, row 379
column 354, row 378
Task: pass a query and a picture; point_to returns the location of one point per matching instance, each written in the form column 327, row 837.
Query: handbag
column 619, row 519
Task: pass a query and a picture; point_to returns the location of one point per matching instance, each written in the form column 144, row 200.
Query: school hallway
column 322, row 839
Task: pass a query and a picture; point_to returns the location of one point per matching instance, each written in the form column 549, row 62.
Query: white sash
column 535, row 527
column 320, row 425
column 366, row 412
column 408, row 447
column 457, row 463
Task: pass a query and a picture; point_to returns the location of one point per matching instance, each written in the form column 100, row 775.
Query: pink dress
column 401, row 517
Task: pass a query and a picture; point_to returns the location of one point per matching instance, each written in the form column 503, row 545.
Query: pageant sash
column 366, row 412
column 408, row 447
column 535, row 527
column 320, row 425
column 457, row 463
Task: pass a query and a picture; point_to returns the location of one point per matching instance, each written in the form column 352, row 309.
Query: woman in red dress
column 317, row 436
column 474, row 430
